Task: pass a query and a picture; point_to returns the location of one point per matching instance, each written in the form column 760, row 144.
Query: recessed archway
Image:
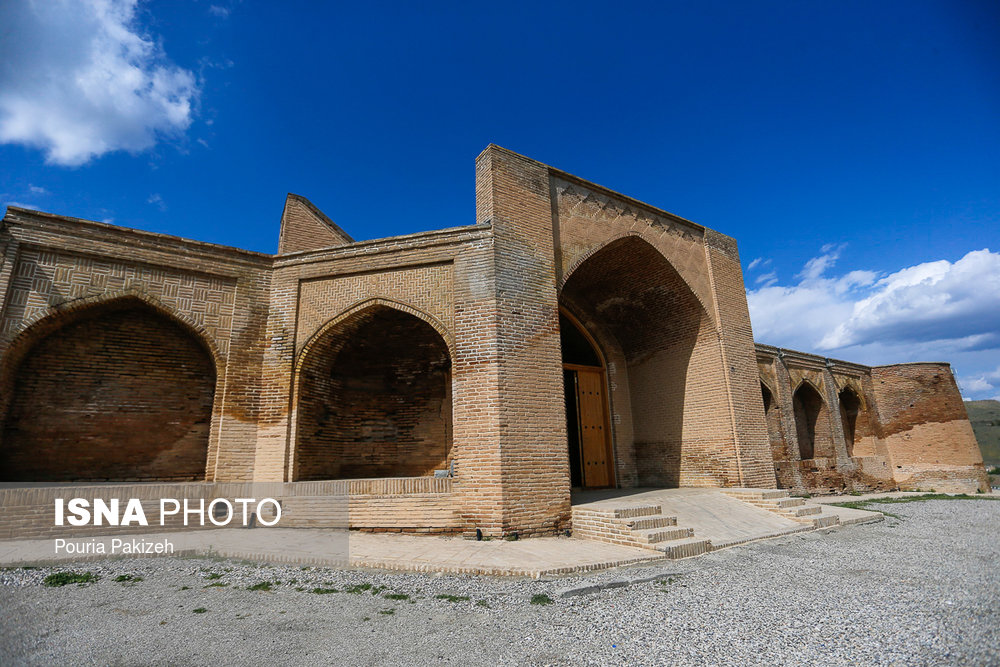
column 652, row 330
column 116, row 391
column 374, row 399
column 850, row 409
column 811, row 421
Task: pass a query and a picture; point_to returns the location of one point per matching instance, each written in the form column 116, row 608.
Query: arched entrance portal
column 587, row 425
column 115, row 392
column 374, row 399
column 650, row 332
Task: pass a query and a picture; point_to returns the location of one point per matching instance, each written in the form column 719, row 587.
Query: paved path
column 535, row 557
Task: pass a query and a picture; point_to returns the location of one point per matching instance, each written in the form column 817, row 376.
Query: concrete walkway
column 534, row 557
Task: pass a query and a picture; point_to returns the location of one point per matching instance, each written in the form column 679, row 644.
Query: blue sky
column 853, row 148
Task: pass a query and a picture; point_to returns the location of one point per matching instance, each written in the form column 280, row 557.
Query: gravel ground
column 923, row 589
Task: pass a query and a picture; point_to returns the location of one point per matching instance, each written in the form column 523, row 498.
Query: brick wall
column 119, row 392
column 375, row 400
column 909, row 430
column 926, row 430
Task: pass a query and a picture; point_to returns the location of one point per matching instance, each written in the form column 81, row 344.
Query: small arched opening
column 850, row 409
column 810, row 419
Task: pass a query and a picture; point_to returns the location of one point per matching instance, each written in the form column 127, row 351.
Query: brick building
column 460, row 379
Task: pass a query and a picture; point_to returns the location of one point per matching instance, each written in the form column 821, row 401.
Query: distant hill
column 985, row 418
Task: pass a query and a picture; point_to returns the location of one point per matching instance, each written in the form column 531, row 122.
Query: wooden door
column 593, row 427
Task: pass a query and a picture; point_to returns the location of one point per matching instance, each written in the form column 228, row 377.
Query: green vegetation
column 263, row 586
column 985, row 418
column 865, row 504
column 128, row 578
column 541, row 598
column 199, row 610
column 65, row 578
column 396, row 596
column 214, row 575
column 358, row 589
column 217, row 584
column 483, row 603
column 184, row 588
column 452, row 598
column 387, row 612
column 324, row 591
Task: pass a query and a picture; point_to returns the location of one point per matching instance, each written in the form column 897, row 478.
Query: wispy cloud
column 18, row 204
column 942, row 310
column 219, row 11
column 82, row 78
column 37, row 190
column 156, row 200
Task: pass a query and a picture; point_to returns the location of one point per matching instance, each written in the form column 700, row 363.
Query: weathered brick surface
column 441, row 350
column 873, row 428
column 123, row 393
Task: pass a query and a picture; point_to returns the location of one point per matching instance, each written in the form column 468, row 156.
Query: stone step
column 826, row 521
column 760, row 494
column 637, row 511
column 658, row 535
column 806, row 510
column 652, row 522
column 684, row 548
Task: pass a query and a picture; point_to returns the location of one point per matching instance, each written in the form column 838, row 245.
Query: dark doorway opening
column 809, row 407
column 850, row 407
column 587, row 424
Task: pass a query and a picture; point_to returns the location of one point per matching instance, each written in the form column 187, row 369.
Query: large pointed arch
column 116, row 387
column 656, row 333
column 372, row 396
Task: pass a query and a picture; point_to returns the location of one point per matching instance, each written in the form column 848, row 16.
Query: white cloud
column 37, row 190
column 767, row 279
column 930, row 301
column 21, row 205
column 758, row 262
column 156, row 200
column 218, row 10
column 79, row 79
column 934, row 311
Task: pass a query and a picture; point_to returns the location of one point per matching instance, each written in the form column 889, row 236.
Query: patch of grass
column 483, row 603
column 513, row 537
column 541, row 598
column 866, row 504
column 387, row 612
column 65, row 578
column 452, row 598
column 367, row 618
column 299, row 589
column 324, row 591
column 396, row 596
column 199, row 610
column 184, row 588
column 127, row 577
column 358, row 589
column 214, row 575
column 217, row 584
column 262, row 586
column 855, row 493
column 377, row 589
